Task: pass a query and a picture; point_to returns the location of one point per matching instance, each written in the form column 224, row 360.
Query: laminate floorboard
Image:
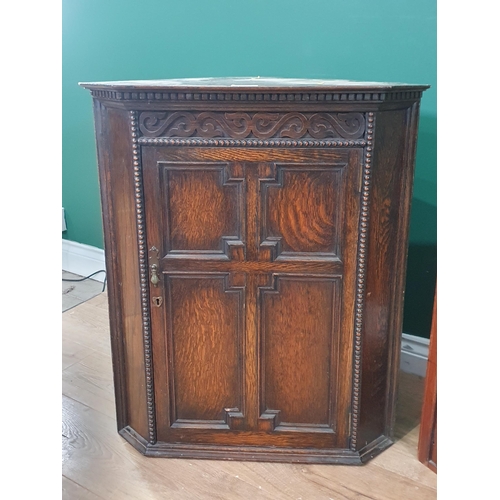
column 99, row 464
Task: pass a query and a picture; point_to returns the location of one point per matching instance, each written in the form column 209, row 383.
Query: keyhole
column 157, row 301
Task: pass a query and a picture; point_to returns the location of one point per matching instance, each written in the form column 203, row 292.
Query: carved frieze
column 259, row 125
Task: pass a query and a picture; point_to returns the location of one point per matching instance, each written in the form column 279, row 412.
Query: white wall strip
column 414, row 354
column 82, row 259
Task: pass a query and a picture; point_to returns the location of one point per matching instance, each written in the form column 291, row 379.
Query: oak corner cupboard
column 256, row 235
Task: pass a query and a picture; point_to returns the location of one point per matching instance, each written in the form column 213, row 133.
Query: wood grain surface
column 427, row 445
column 99, row 464
column 256, row 244
column 275, row 232
column 296, row 350
column 200, row 191
column 205, row 360
column 305, row 210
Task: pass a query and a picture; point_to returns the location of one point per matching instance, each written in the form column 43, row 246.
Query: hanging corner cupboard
column 256, row 237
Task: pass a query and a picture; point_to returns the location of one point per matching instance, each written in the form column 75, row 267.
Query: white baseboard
column 83, row 259
column 414, row 354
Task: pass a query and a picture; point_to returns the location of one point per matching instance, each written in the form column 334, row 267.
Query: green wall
column 387, row 40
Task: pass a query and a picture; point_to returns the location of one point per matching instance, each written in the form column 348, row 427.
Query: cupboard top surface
column 238, row 83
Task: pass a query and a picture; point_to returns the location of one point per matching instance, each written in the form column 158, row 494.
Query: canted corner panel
column 205, row 347
column 303, row 211
column 203, row 209
column 298, row 342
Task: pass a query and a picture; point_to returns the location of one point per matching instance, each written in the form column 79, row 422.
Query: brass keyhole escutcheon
column 157, row 301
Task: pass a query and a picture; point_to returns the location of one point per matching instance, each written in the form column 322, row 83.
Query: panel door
column 252, row 315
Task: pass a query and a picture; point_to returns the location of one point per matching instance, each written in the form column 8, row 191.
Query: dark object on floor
column 89, row 276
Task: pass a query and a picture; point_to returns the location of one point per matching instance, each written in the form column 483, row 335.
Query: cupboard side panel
column 114, row 148
column 389, row 207
column 407, row 181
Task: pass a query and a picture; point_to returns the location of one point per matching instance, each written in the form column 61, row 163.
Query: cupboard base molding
column 255, row 453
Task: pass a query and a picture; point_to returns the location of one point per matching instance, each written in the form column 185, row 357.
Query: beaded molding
column 246, row 96
column 164, row 141
column 143, row 269
column 360, row 276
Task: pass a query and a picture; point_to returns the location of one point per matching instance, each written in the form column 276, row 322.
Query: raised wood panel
column 299, row 350
column 204, row 336
column 304, row 210
column 202, row 207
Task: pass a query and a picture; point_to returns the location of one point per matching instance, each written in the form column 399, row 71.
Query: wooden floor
column 99, row 464
column 76, row 292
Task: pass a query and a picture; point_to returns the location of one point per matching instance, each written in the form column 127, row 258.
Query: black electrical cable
column 89, row 276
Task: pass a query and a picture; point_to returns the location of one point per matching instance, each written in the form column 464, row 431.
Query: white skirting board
column 414, row 354
column 83, row 259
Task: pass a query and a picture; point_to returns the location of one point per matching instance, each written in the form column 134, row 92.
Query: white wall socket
column 63, row 221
